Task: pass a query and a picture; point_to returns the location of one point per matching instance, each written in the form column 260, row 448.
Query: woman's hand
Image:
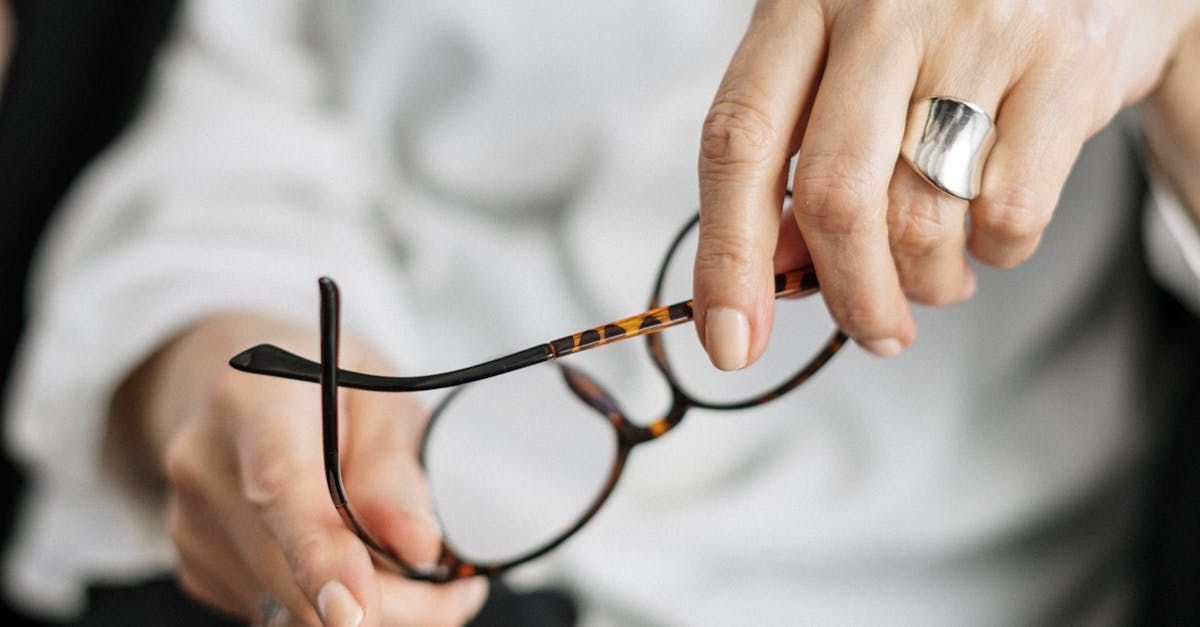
column 834, row 80
column 247, row 504
column 1172, row 122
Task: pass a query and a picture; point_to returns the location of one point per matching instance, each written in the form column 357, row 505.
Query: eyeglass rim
column 628, row 434
column 273, row 361
column 658, row 354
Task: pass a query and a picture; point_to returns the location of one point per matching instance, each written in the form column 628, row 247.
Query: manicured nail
column 889, row 347
column 337, row 606
column 727, row 337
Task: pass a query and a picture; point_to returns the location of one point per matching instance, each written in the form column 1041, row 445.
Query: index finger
column 847, row 156
column 384, row 481
column 748, row 137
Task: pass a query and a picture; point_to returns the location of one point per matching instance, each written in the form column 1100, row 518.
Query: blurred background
column 75, row 73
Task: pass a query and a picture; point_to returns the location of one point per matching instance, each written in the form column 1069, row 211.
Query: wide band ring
column 947, row 142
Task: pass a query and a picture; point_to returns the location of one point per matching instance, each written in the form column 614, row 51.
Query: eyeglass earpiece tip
column 241, row 361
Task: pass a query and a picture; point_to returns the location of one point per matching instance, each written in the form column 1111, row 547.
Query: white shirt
column 481, row 177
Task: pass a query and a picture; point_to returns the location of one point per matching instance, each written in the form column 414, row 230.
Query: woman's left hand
column 834, row 79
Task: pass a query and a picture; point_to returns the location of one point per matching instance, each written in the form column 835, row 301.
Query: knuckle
column 877, row 19
column 1013, row 214
column 773, row 11
column 1068, row 50
column 869, row 318
column 182, row 465
column 266, row 477
column 305, row 552
column 889, row 25
column 834, row 192
column 933, row 295
column 1091, row 30
column 737, row 134
column 921, row 228
column 989, row 14
column 722, row 254
column 1002, row 257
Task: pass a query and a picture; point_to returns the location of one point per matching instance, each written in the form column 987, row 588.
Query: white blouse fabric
column 485, row 176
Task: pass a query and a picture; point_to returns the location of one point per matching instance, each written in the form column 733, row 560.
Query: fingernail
column 727, row 337
column 889, row 347
column 972, row 284
column 337, row 606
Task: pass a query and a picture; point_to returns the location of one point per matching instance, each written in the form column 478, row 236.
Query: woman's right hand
column 832, row 81
column 247, row 504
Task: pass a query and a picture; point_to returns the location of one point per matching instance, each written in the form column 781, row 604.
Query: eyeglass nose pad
column 590, row 392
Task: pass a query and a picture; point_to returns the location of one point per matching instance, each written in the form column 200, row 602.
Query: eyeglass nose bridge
column 592, row 394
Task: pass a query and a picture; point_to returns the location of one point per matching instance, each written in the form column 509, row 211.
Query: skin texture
column 239, row 464
column 1172, row 123
column 833, row 79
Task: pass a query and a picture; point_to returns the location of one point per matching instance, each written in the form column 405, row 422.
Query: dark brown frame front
column 274, row 361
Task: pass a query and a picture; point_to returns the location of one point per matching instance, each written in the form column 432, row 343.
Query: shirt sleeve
column 238, row 185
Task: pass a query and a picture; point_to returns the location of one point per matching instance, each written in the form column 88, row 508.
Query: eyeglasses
column 461, row 432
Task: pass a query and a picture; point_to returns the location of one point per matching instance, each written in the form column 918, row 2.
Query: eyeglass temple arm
column 267, row 359
column 792, row 283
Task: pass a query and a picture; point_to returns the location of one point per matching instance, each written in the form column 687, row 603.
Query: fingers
column 927, row 233
column 845, row 163
column 383, row 478
column 226, row 557
column 249, row 510
column 280, row 466
column 790, row 251
column 209, row 570
column 926, row 227
column 1038, row 137
column 407, row 602
column 746, row 142
column 329, row 564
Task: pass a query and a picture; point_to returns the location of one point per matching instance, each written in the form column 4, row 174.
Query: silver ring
column 947, row 142
column 271, row 613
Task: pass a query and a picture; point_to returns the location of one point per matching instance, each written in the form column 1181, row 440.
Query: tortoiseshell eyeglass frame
column 271, row 360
